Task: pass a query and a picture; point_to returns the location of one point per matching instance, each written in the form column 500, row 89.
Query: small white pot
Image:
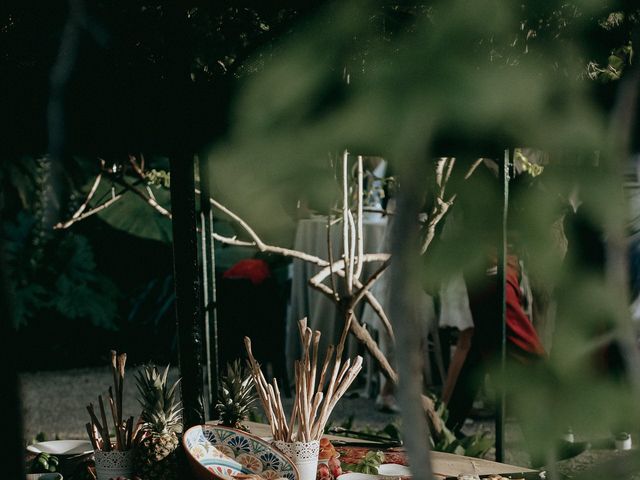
column 114, row 464
column 623, row 443
column 303, row 454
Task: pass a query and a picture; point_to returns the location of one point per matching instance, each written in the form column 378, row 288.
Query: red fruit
column 323, row 472
column 334, row 467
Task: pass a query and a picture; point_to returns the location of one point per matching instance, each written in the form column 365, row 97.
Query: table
column 311, row 237
column 442, row 464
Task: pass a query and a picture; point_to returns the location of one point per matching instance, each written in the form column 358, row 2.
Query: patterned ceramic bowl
column 221, row 452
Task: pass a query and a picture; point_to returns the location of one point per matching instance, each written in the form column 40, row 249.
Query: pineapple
column 161, row 419
column 236, row 396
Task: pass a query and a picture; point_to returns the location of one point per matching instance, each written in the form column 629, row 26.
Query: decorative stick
column 122, row 360
column 292, row 421
column 330, row 388
column 351, row 376
column 272, row 420
column 255, row 369
column 283, row 420
column 103, row 416
column 314, row 363
column 94, row 419
column 343, row 371
column 116, row 385
column 119, row 440
column 297, row 397
column 312, row 406
column 314, row 409
column 92, row 438
column 325, row 365
column 273, row 412
column 304, row 406
column 128, row 434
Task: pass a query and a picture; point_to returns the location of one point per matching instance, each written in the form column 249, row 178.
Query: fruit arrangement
column 329, row 467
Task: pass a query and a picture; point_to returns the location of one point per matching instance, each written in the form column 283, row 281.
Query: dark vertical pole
column 501, row 279
column 209, row 286
column 187, row 286
column 9, row 393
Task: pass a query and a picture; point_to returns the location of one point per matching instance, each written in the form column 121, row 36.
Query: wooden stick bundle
column 313, row 404
column 98, row 428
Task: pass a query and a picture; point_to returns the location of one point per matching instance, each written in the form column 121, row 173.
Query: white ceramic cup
column 304, row 455
column 114, row 464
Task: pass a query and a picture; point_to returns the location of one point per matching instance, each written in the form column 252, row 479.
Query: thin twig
column 345, row 219
column 359, row 219
column 330, row 254
column 93, row 211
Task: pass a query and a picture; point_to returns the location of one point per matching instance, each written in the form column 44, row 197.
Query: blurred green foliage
column 63, row 279
column 51, row 274
column 467, row 79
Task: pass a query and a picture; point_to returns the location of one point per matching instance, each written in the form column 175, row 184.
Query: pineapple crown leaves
column 161, row 411
column 236, row 394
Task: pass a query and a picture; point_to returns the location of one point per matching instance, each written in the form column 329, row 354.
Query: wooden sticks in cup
column 313, row 404
column 98, row 428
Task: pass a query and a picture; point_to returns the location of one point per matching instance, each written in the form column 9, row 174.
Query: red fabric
column 523, row 342
column 257, row 271
column 520, row 331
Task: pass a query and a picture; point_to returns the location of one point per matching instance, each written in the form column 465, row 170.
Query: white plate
column 384, row 473
column 62, row 447
column 360, row 476
column 394, row 470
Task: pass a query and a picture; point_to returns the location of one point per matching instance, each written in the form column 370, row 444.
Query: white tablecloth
column 311, row 237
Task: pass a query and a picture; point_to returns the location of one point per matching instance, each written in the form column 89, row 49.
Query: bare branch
column 257, row 241
column 93, row 211
column 437, row 214
column 232, row 241
column 332, row 278
column 363, row 289
column 359, row 229
column 473, row 168
column 352, row 253
column 345, row 209
column 90, row 195
column 339, row 265
column 136, row 168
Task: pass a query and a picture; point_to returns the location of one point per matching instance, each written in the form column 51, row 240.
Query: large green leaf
column 134, row 215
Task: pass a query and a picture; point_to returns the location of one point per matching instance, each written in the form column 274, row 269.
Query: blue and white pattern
column 240, row 444
column 270, row 461
column 218, row 449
